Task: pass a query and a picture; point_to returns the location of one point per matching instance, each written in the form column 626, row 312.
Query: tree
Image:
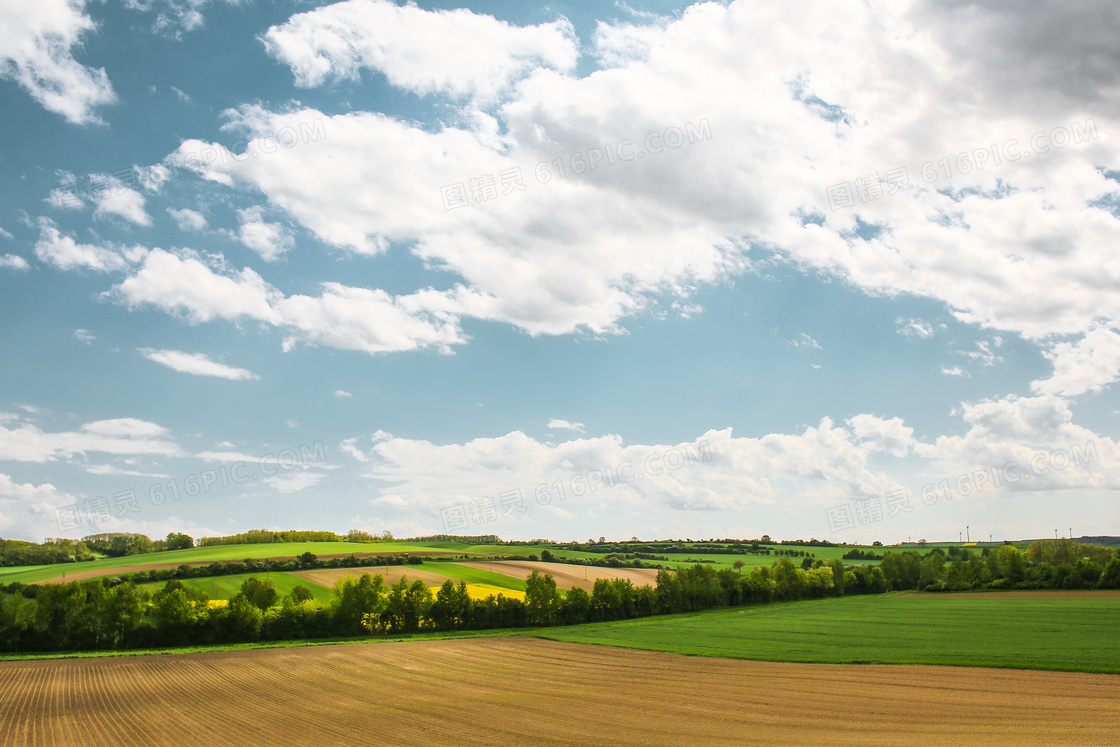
column 176, row 541
column 738, row 565
column 262, row 594
column 123, row 611
column 355, row 598
column 300, row 594
column 452, row 607
column 575, row 607
column 406, row 606
column 542, row 599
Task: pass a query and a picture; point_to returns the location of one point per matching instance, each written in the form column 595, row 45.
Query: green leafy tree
column 262, row 594
column 738, row 566
column 452, row 606
column 300, row 594
column 123, row 611
column 542, row 599
column 241, row 619
column 356, row 598
column 576, row 606
column 177, row 541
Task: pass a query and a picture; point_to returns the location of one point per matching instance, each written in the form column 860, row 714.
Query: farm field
column 525, row 690
column 433, row 574
column 1035, row 631
column 224, row 587
column 197, row 555
column 566, row 575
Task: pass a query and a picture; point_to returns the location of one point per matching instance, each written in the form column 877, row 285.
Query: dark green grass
column 1060, row 634
column 224, row 587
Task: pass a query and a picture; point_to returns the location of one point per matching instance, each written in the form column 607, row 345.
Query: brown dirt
column 327, row 576
column 567, row 575
column 514, row 691
column 1095, row 594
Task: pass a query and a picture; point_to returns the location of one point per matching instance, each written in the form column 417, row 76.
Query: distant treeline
column 1046, row 564
column 18, row 552
column 857, row 554
column 722, row 547
column 99, row 614
column 114, row 545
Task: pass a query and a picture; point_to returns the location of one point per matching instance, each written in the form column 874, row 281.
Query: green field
column 474, row 575
column 32, row 574
column 224, row 587
column 1061, row 634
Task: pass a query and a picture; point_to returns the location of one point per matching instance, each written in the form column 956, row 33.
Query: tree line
column 104, row 614
column 98, row 614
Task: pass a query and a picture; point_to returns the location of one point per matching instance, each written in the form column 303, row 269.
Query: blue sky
column 567, row 270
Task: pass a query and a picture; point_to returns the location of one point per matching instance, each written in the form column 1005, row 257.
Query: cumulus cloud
column 37, row 44
column 188, row 220
column 1087, row 365
column 342, row 394
column 197, row 364
column 717, row 471
column 27, row 443
column 455, row 52
column 892, row 436
column 294, row 482
column 342, row 317
column 67, row 254
column 557, row 424
column 1001, row 246
column 1022, row 429
column 270, row 240
column 13, row 262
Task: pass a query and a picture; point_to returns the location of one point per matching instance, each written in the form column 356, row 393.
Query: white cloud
column 342, row 317
column 804, row 341
column 270, row 240
column 349, row 446
column 13, row 262
column 1004, row 246
column 342, row 394
column 6, row 234
column 722, row 473
column 910, row 327
column 557, row 424
column 37, row 43
column 27, row 443
column 188, row 220
column 293, row 482
column 954, row 371
column 84, row 336
column 184, row 284
column 1020, row 429
column 197, row 364
column 173, row 17
column 121, row 201
column 1088, row 365
column 114, row 471
column 892, row 436
column 456, row 52
column 66, row 254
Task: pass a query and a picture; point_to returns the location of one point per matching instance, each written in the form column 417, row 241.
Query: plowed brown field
column 517, row 691
column 567, row 575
